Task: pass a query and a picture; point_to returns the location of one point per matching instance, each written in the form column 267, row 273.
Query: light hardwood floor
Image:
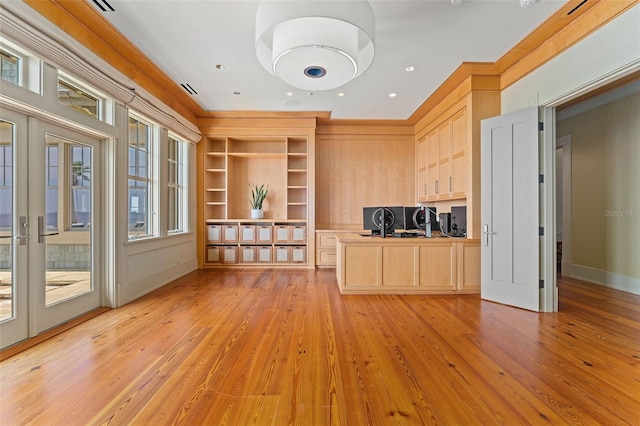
column 279, row 347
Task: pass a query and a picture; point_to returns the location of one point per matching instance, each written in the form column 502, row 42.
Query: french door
column 50, row 265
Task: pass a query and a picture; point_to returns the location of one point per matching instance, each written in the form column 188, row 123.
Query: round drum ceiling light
column 315, row 45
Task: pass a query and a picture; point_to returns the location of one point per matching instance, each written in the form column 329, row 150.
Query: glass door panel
column 65, row 217
column 65, row 228
column 14, row 230
column 7, row 293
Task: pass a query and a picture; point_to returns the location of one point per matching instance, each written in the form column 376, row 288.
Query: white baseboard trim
column 600, row 277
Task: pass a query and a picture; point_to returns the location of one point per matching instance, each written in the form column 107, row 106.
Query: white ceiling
column 188, row 38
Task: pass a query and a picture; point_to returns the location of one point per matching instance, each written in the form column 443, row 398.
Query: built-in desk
column 368, row 265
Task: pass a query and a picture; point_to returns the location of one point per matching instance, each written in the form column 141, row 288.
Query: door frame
column 107, row 149
column 43, row 316
column 548, row 250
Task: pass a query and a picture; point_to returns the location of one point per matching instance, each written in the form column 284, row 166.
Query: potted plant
column 258, row 194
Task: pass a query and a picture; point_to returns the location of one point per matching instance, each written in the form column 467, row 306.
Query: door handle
column 486, row 233
column 23, row 233
column 41, row 233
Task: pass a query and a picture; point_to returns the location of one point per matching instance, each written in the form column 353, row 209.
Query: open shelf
column 231, row 164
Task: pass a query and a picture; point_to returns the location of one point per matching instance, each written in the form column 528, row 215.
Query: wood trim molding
column 556, row 35
column 462, row 73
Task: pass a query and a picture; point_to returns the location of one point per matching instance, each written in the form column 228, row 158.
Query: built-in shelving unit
column 256, row 243
column 230, row 165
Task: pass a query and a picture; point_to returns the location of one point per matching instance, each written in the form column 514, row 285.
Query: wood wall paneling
column 354, row 171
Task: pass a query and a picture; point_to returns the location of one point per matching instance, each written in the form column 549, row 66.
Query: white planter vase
column 257, row 213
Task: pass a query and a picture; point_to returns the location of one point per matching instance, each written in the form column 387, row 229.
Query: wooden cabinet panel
column 458, row 154
column 422, row 167
column 436, row 267
column 468, row 280
column 361, row 266
column 433, row 169
column 399, row 266
column 445, row 170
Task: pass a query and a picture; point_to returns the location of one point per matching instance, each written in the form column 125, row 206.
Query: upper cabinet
column 447, row 146
column 442, row 160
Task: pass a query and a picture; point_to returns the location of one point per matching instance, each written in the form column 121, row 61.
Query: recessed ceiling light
column 220, row 66
column 340, row 94
column 409, row 68
column 393, row 95
column 289, row 93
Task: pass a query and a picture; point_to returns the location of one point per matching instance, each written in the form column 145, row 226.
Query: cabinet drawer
column 247, row 254
column 230, row 255
column 298, row 254
column 214, row 233
column 298, row 234
column 230, row 233
column 281, row 233
column 326, row 257
column 282, row 254
column 214, row 254
column 247, row 234
column 265, row 254
column 264, row 234
column 326, row 240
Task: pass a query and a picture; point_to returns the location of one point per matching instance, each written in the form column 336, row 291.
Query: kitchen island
column 374, row 265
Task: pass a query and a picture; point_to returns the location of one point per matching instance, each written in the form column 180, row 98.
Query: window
column 20, row 67
column 80, row 177
column 139, row 179
column 78, row 99
column 176, row 182
column 9, row 64
column 52, row 168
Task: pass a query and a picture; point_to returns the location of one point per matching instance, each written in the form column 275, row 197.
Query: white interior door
column 50, row 218
column 510, row 210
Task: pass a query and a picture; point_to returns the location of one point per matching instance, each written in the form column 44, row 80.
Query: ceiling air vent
column 104, row 6
column 188, row 88
column 577, row 7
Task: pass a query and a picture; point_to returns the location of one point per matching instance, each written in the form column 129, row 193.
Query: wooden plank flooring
column 280, row 347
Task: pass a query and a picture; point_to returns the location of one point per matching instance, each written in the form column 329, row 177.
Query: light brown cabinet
column 371, row 265
column 442, row 160
column 230, row 164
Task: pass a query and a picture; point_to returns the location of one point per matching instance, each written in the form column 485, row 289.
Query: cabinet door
column 458, row 154
column 422, row 164
column 436, row 267
column 432, row 164
column 444, row 160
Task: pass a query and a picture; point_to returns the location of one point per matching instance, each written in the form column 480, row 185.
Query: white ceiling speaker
column 315, row 45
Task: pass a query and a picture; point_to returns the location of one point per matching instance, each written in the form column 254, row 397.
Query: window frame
column 150, row 229
column 179, row 185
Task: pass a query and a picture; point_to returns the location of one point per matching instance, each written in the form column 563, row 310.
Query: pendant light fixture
column 315, row 45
